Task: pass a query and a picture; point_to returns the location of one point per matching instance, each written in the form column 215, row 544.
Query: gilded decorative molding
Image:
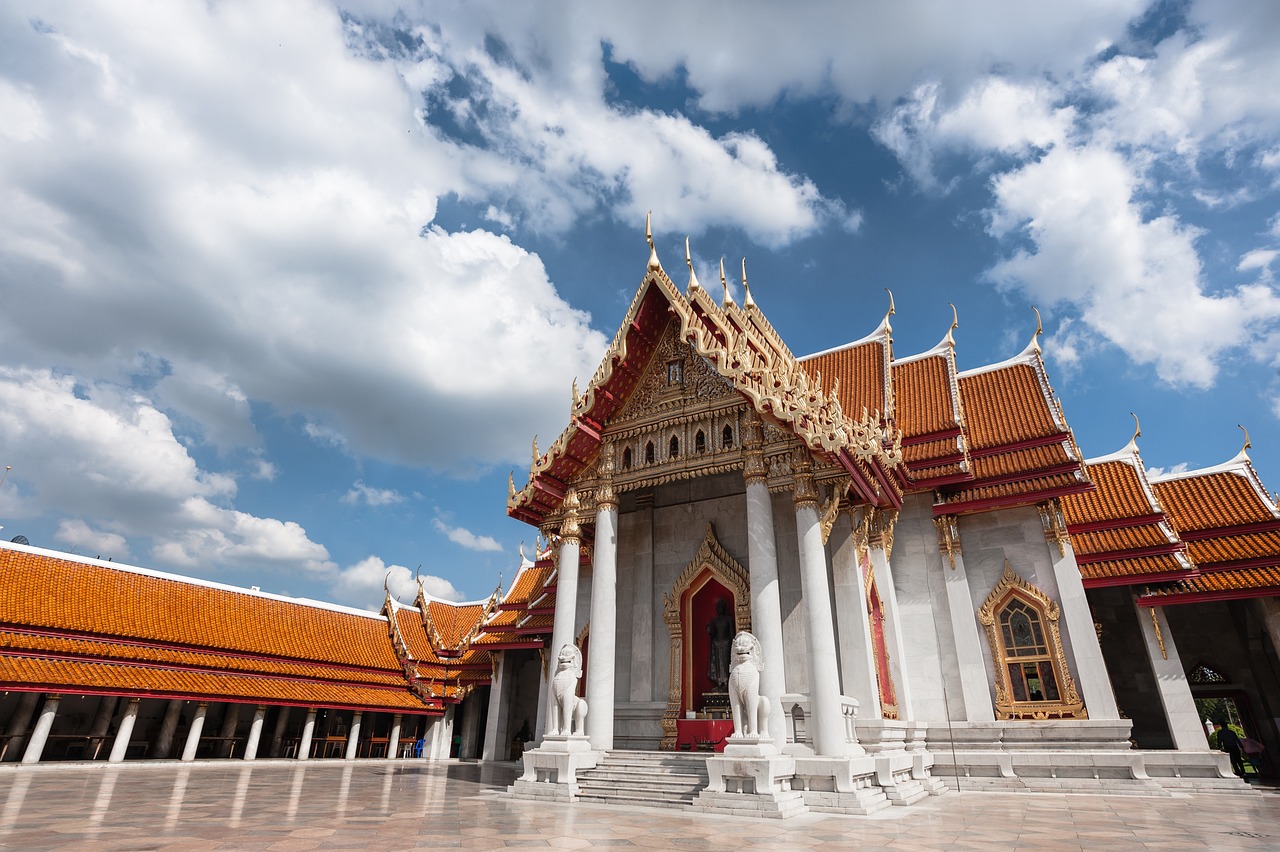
column 1155, row 622
column 804, row 490
column 606, row 498
column 827, row 517
column 569, row 527
column 711, row 556
column 1068, row 705
column 948, row 537
column 880, row 524
column 754, row 468
column 1054, row 524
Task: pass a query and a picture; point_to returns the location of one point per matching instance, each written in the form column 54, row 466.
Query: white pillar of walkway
column 976, row 694
column 18, row 722
column 1079, row 639
column 604, row 608
column 102, row 717
column 277, row 734
column 857, row 655
column 393, row 738
column 168, row 727
column 193, row 733
column 255, row 732
column 566, row 612
column 827, row 729
column 879, row 545
column 353, row 736
column 120, row 746
column 230, row 719
column 35, row 746
column 308, row 731
column 496, row 723
column 1171, row 680
column 540, row 716
column 762, row 565
column 1271, row 619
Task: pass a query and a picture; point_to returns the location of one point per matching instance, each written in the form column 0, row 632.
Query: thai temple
column 941, row 592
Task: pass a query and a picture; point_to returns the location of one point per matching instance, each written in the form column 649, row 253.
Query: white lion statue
column 568, row 711
column 750, row 709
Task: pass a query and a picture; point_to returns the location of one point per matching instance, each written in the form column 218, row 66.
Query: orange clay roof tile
column 860, row 370
column 1265, row 545
column 923, row 391
column 1136, row 567
column 1121, row 539
column 1212, row 500
column 44, row 591
column 527, row 585
column 1021, row 461
column 1004, row 406
column 452, row 622
column 922, row 453
column 1030, row 488
column 1119, row 495
column 1235, row 580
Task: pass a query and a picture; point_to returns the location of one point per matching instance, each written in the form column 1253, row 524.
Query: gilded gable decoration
column 1032, row 677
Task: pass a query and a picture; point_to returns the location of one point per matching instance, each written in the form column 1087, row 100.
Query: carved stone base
column 550, row 771
column 736, row 746
column 846, row 785
column 754, row 785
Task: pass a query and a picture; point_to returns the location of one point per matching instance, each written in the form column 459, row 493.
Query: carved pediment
column 677, row 378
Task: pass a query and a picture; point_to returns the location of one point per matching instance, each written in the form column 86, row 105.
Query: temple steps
column 646, row 778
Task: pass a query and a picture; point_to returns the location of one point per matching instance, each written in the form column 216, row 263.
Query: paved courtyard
column 375, row 805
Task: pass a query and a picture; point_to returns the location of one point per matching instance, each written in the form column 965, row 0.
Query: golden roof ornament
column 654, row 265
column 536, row 455
column 892, row 310
column 724, row 282
column 1247, row 442
column 955, row 323
column 1035, row 338
column 688, row 259
column 511, row 484
column 747, row 301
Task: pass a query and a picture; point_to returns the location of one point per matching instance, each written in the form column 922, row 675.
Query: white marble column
column 1271, row 619
column 308, row 731
column 762, row 565
column 277, row 734
column 193, row 733
column 1079, row 638
column 495, row 725
column 826, row 727
column 39, row 736
column 857, row 654
column 230, row 719
column 566, row 611
column 540, row 718
column 880, row 537
column 604, row 609
column 17, row 727
column 640, row 557
column 168, row 727
column 1171, row 680
column 102, row 722
column 393, row 738
column 353, row 736
column 977, row 695
column 120, row 746
column 255, row 732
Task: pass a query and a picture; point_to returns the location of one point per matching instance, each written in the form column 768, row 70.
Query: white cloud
column 1257, row 259
column 361, row 584
column 466, row 538
column 93, row 450
column 361, row 493
column 1180, row 467
column 77, row 534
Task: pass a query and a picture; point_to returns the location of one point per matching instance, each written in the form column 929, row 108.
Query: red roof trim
column 940, row 509
column 1132, row 553
column 1139, row 579
column 1223, row 532
column 1117, row 523
column 1204, row 597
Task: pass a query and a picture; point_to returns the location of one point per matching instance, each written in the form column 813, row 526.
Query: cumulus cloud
column 466, row 538
column 361, row 584
column 361, row 493
column 79, row 536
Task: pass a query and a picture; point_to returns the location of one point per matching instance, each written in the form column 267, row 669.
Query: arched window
column 674, row 449
column 700, row 442
column 648, row 453
column 1032, row 678
column 726, row 438
column 626, row 458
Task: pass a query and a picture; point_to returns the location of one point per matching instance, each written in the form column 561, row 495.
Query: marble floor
column 376, row 805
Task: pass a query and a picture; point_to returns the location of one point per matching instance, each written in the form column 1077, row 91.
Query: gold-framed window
column 1032, row 680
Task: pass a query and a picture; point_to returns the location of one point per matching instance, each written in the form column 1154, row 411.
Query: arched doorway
column 710, row 577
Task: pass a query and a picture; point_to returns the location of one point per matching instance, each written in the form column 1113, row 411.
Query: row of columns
column 826, row 725
column 438, row 730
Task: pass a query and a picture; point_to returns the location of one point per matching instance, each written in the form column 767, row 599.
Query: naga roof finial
column 1035, row 338
column 688, row 259
column 654, row 265
column 747, row 301
column 511, row 484
column 1137, row 428
column 955, row 323
column 1247, row 442
column 536, row 455
column 724, row 282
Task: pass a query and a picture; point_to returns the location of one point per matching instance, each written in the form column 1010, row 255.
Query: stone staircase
column 656, row 779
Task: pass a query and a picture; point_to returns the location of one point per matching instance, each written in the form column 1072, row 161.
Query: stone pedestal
column 550, row 771
column 751, row 779
column 844, row 785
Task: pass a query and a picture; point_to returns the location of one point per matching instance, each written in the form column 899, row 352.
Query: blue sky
column 290, row 287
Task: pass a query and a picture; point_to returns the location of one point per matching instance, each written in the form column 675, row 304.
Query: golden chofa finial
column 511, row 484
column 654, row 265
column 1247, row 442
column 536, row 455
column 688, row 259
column 724, row 282
column 887, row 327
column 747, row 301
column 573, row 405
column 1137, row 428
column 955, row 323
column 1035, row 338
